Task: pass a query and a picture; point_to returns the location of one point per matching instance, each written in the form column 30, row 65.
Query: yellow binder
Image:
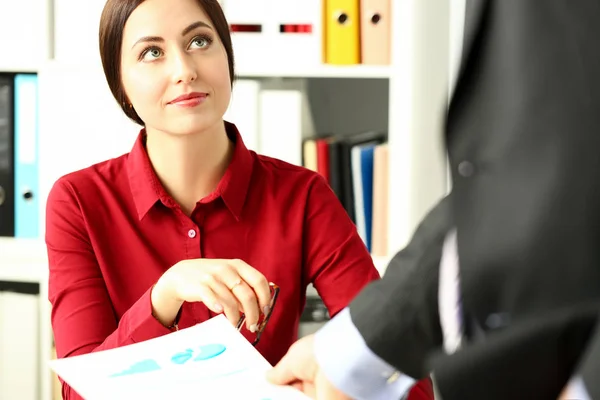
column 342, row 31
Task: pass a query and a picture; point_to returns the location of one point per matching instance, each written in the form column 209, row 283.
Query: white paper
column 211, row 360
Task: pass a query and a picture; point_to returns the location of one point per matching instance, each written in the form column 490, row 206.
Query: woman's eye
column 201, row 42
column 151, row 54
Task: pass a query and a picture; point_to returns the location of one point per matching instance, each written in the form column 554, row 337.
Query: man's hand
column 299, row 368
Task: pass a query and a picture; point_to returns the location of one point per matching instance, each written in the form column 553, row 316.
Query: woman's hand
column 229, row 286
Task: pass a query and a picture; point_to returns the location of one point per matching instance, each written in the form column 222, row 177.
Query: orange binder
column 342, row 31
column 380, row 216
column 375, row 31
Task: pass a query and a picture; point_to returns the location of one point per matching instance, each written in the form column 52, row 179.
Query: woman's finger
column 195, row 291
column 256, row 281
column 230, row 304
column 246, row 297
column 244, row 294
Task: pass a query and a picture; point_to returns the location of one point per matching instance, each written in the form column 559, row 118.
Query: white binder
column 252, row 29
column 285, row 119
column 243, row 111
column 299, row 34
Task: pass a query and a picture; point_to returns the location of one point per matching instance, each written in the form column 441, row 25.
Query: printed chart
column 211, row 360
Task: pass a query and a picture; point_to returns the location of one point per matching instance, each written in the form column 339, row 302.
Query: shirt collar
column 146, row 189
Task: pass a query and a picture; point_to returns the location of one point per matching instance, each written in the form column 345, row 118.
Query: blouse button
column 192, row 233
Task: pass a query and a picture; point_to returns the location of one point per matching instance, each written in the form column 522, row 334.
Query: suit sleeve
column 397, row 316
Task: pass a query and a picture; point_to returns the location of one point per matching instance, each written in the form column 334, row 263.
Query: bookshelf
column 415, row 86
column 26, row 34
column 15, row 67
column 25, row 261
column 321, row 71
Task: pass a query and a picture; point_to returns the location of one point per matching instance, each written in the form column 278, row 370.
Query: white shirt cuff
column 352, row 367
column 576, row 390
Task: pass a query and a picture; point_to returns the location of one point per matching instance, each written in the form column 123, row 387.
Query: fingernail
column 266, row 310
column 218, row 307
column 253, row 328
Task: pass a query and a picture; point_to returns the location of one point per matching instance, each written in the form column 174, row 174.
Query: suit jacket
column 523, row 138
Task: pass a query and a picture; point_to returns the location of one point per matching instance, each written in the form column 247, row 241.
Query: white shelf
column 18, row 67
column 23, row 260
column 24, row 272
column 320, row 71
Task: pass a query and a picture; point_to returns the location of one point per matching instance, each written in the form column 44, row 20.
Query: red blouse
column 112, row 231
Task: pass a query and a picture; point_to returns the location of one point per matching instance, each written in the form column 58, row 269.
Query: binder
column 309, row 154
column 243, row 111
column 26, row 166
column 7, row 182
column 285, row 119
column 299, row 31
column 342, row 32
column 323, row 158
column 375, row 31
column 340, row 161
column 362, row 179
column 252, row 30
column 379, row 238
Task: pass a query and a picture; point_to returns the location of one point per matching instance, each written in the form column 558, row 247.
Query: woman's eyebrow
column 187, row 30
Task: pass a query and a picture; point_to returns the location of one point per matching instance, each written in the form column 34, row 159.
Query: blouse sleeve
column 337, row 261
column 83, row 319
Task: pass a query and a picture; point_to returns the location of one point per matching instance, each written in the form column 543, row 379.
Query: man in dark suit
column 498, row 292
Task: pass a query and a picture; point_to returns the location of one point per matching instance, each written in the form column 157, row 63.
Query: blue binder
column 26, row 156
column 362, row 187
column 366, row 164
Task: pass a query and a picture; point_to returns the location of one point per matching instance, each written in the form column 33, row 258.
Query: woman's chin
column 190, row 127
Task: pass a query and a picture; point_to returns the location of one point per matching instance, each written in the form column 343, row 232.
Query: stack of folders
column 309, row 32
column 273, row 117
column 356, row 168
column 19, row 202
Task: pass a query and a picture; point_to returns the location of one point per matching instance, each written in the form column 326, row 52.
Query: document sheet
column 211, row 360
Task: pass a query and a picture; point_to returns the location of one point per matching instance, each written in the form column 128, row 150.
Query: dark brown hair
column 112, row 23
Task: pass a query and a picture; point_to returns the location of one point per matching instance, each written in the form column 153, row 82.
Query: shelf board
column 27, row 273
column 19, row 67
column 23, row 260
column 319, row 71
column 300, row 71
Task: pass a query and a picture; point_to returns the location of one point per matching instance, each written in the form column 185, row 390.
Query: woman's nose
column 184, row 68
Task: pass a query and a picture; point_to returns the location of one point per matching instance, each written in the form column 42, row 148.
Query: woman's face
column 171, row 49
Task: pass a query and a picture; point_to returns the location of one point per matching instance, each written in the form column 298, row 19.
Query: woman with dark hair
column 190, row 223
